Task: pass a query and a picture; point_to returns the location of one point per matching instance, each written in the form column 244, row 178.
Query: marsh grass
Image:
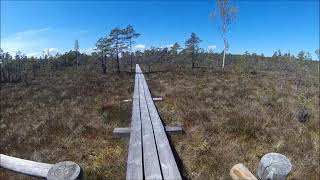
column 228, row 117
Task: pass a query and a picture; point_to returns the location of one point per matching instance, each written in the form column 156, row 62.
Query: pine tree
column 130, row 35
column 118, row 45
column 192, row 46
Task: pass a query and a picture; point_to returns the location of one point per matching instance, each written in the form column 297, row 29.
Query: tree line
column 117, row 46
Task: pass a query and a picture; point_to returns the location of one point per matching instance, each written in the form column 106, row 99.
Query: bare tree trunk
column 130, row 56
column 117, row 47
column 223, row 58
column 77, row 59
column 1, row 74
column 192, row 59
column 103, row 64
column 118, row 64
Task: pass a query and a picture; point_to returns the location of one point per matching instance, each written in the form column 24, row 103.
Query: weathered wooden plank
column 138, row 69
column 121, row 132
column 240, row 172
column 125, row 131
column 168, row 164
column 127, row 100
column 151, row 164
column 134, row 162
column 157, row 99
column 154, row 99
column 173, row 130
column 23, row 166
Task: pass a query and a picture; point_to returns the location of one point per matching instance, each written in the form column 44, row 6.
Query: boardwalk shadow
column 180, row 164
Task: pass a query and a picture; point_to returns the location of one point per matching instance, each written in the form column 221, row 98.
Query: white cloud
column 34, row 54
column 139, row 47
column 169, row 45
column 51, row 51
column 212, row 47
column 29, row 41
column 89, row 51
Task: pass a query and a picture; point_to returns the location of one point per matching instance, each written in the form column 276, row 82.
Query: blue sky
column 261, row 26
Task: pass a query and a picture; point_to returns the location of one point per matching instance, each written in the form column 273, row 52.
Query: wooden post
column 67, row 170
column 274, row 166
column 240, row 172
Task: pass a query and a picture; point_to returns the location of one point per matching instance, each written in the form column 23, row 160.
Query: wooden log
column 134, row 162
column 125, row 131
column 23, row 166
column 66, row 170
column 151, row 162
column 168, row 164
column 274, row 166
column 240, row 172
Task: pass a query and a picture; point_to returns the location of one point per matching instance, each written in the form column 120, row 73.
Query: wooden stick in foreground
column 66, row 170
column 240, row 172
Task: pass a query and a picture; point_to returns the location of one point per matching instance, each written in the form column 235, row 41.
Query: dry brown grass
column 228, row 118
column 231, row 118
column 67, row 117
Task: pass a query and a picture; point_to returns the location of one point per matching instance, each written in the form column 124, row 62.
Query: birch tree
column 76, row 49
column 226, row 15
column 318, row 54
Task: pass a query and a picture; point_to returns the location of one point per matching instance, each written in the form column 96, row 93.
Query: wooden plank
column 24, row 166
column 157, row 99
column 125, row 131
column 138, row 69
column 240, row 172
column 150, row 155
column 121, row 132
column 173, row 130
column 134, row 162
column 154, row 99
column 168, row 164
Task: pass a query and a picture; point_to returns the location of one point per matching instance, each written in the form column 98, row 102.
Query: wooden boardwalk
column 150, row 155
